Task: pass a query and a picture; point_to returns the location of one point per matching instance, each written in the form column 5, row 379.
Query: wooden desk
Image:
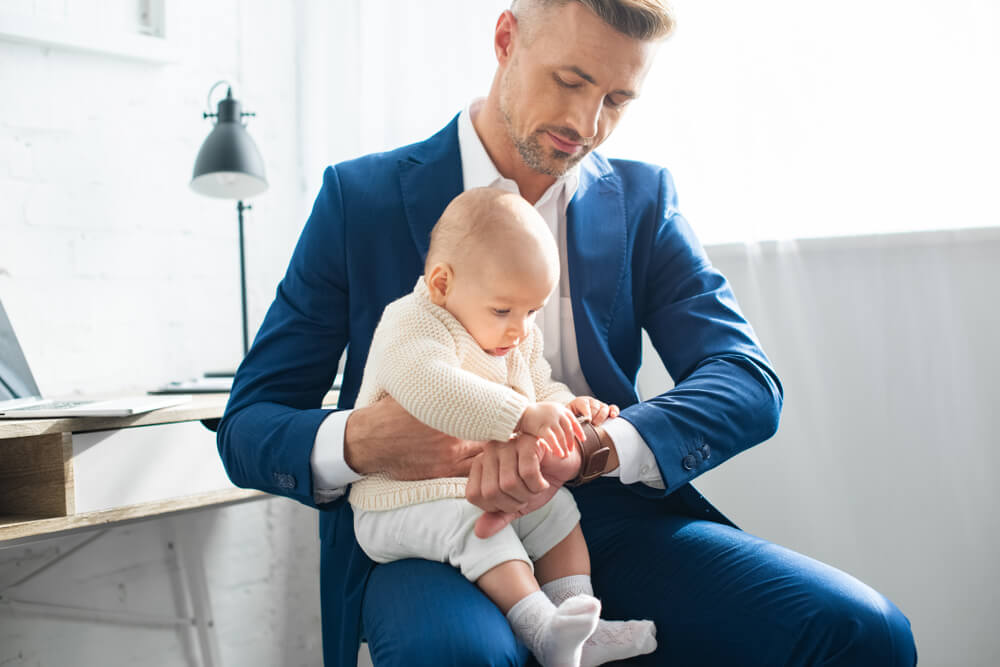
column 59, row 475
column 84, row 475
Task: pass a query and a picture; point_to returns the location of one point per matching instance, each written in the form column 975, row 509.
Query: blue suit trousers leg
column 719, row 596
column 424, row 614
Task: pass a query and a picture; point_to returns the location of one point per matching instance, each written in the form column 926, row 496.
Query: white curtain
column 886, row 461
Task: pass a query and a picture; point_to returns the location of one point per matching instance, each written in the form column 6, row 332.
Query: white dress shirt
column 636, row 461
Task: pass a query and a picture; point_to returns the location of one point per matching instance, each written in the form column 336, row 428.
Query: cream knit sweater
column 426, row 360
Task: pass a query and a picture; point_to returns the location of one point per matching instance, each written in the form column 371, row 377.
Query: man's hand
column 510, row 479
column 596, row 411
column 553, row 426
column 384, row 437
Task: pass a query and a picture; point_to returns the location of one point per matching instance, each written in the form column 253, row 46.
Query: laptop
column 20, row 398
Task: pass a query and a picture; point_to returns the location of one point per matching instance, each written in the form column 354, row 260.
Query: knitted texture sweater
column 426, row 360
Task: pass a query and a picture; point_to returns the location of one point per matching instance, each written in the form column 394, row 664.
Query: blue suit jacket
column 634, row 264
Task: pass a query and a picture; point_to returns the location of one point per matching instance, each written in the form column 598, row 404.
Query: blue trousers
column 719, row 596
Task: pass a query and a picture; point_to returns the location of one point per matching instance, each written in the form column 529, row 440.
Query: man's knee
column 423, row 613
column 862, row 630
column 451, row 644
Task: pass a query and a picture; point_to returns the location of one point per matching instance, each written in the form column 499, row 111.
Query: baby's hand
column 554, row 425
column 593, row 409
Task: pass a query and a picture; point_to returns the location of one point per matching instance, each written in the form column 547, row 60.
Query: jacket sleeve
column 266, row 435
column 726, row 397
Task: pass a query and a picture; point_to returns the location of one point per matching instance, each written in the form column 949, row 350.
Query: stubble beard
column 551, row 162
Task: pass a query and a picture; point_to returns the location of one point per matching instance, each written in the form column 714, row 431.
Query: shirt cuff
column 330, row 473
column 636, row 462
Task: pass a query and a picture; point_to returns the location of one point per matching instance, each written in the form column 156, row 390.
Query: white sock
column 618, row 640
column 612, row 640
column 555, row 635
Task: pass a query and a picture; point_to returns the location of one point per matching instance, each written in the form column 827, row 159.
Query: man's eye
column 615, row 102
column 565, row 84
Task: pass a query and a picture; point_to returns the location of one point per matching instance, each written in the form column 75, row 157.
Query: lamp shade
column 229, row 165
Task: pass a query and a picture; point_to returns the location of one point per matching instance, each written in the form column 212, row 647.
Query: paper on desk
column 202, row 385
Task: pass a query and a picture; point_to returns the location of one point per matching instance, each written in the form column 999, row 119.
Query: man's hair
column 645, row 20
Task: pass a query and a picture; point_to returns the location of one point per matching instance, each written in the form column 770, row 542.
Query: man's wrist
column 330, row 473
column 355, row 453
column 636, row 461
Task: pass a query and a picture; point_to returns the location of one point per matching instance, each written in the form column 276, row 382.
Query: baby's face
column 496, row 308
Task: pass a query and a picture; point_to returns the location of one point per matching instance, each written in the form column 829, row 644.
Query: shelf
column 17, row 527
column 50, row 33
column 59, row 475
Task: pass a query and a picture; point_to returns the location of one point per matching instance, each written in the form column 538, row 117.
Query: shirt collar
column 479, row 171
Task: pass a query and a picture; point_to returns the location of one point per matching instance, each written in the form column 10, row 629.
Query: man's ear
column 439, row 281
column 503, row 36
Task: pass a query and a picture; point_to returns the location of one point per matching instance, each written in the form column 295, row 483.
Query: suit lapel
column 429, row 178
column 596, row 244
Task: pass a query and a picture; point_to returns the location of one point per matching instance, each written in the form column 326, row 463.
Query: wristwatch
column 594, row 450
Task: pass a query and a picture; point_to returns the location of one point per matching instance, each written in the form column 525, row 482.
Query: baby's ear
column 439, row 280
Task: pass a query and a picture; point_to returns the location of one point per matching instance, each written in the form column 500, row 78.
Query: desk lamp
column 229, row 166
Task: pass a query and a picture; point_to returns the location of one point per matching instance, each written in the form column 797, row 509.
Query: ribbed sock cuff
column 559, row 590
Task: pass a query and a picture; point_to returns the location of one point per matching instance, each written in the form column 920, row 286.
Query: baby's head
column 492, row 264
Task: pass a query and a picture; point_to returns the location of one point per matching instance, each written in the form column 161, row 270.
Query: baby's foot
column 618, row 640
column 563, row 637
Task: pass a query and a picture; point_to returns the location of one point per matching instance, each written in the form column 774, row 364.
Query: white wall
column 779, row 120
column 398, row 71
column 117, row 276
column 789, row 119
column 115, row 273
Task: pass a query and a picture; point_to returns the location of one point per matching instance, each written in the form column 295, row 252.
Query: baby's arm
column 418, row 366
column 548, row 390
column 553, row 424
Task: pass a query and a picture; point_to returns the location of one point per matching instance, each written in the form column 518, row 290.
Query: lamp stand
column 240, row 207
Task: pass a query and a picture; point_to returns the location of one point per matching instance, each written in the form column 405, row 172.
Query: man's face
column 564, row 90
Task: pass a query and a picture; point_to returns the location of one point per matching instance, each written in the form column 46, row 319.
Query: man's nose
column 585, row 114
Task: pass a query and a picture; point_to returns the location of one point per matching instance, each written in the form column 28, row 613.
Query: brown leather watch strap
column 594, row 450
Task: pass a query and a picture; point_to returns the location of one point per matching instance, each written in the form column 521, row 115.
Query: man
column 567, row 69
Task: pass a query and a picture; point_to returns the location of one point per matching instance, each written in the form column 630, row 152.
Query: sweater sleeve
column 419, row 367
column 546, row 389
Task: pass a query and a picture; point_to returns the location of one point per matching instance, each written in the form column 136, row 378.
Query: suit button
column 688, row 462
column 706, row 453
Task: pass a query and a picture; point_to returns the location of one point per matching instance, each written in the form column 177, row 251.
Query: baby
column 462, row 354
